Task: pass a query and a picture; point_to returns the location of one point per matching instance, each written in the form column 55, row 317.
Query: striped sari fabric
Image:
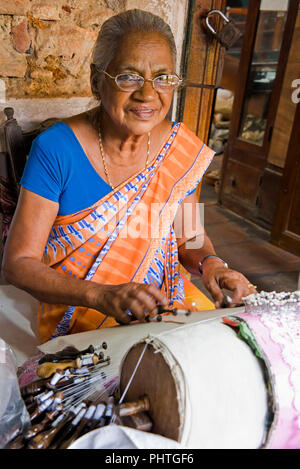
column 127, row 236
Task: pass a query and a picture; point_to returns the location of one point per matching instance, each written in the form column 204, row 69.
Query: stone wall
column 46, row 46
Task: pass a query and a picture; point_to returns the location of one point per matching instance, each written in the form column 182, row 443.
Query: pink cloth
column 278, row 336
column 27, row 372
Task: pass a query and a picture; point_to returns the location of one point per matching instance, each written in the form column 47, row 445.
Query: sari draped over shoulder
column 127, row 236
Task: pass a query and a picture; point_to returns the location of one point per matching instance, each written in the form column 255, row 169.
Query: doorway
column 237, row 11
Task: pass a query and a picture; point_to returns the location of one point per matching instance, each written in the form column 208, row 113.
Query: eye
column 128, row 78
column 166, row 83
column 162, row 78
column 167, row 80
column 129, row 81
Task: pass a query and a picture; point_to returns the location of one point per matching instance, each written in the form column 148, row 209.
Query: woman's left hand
column 217, row 276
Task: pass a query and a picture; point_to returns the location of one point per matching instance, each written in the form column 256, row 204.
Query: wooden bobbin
column 131, row 408
column 45, row 370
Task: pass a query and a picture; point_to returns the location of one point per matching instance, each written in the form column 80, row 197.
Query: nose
column 147, row 91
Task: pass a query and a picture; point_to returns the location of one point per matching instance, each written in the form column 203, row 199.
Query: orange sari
column 127, row 236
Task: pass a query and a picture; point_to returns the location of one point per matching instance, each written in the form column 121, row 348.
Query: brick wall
column 45, row 45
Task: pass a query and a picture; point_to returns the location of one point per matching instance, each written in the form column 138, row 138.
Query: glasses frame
column 144, row 80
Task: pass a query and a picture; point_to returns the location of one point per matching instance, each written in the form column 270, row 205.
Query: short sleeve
column 42, row 172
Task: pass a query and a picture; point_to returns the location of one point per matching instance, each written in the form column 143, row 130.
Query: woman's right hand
column 23, row 268
column 140, row 299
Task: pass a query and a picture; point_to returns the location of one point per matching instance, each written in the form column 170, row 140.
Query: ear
column 93, row 68
column 95, row 81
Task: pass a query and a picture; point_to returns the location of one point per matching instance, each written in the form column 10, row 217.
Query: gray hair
column 117, row 26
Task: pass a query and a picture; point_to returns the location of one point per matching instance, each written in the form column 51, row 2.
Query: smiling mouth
column 143, row 113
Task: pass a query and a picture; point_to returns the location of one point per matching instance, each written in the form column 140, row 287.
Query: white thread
column 90, row 412
column 79, row 417
column 99, row 411
column 133, row 373
column 56, row 378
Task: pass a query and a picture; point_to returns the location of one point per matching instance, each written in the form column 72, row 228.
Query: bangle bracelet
column 207, row 257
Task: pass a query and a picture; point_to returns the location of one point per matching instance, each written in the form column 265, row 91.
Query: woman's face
column 138, row 112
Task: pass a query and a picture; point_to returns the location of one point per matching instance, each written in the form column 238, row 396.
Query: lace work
column 280, row 314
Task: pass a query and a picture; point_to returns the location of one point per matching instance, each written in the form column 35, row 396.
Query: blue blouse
column 59, row 170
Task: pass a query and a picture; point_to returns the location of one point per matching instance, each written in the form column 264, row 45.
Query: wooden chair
column 12, row 162
column 18, row 143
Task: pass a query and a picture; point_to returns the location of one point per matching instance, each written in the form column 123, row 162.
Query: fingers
column 142, row 299
column 239, row 285
column 157, row 294
column 137, row 309
column 216, row 292
column 231, row 280
column 133, row 300
column 241, row 292
column 237, row 297
column 121, row 317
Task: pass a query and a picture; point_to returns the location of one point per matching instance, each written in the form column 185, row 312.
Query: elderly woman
column 74, row 243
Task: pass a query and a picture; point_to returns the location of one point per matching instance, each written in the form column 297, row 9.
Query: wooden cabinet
column 250, row 182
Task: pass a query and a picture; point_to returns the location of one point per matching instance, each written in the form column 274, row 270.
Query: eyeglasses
column 132, row 82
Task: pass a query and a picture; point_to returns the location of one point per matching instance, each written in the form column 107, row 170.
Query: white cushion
column 18, row 322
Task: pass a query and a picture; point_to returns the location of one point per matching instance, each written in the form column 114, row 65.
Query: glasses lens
column 165, row 83
column 129, row 81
